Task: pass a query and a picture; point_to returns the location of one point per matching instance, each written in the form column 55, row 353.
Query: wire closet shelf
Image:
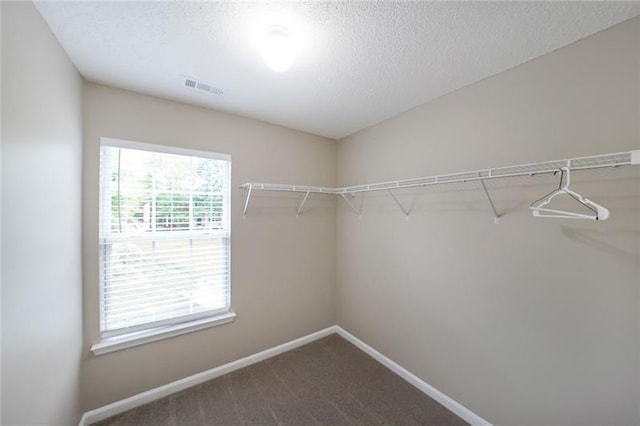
column 579, row 163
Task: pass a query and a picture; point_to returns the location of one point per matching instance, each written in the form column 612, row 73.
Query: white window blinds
column 164, row 236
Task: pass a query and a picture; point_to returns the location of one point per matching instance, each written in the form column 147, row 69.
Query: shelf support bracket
column 246, row 203
column 359, row 213
column 405, row 211
column 496, row 216
column 304, row 200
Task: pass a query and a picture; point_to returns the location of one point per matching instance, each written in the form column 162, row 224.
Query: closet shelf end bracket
column 496, row 216
column 246, row 203
column 304, row 200
column 351, row 206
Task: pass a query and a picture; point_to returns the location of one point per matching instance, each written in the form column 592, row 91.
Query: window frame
column 116, row 339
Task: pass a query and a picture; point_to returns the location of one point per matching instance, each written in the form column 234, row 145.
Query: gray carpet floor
column 326, row 382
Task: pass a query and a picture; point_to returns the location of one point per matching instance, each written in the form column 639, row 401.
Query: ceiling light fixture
column 277, row 48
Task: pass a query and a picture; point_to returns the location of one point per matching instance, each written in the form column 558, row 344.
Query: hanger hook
column 564, row 178
column 566, row 172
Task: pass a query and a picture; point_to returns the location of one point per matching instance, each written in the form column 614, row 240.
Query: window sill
column 140, row 338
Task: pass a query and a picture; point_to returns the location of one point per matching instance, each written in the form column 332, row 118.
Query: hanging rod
column 284, row 188
column 579, row 163
column 289, row 188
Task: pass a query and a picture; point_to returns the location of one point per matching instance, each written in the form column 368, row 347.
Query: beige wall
column 528, row 322
column 283, row 267
column 532, row 321
column 41, row 238
column 0, row 217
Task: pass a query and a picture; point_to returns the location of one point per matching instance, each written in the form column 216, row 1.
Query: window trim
column 113, row 340
column 163, row 149
column 130, row 340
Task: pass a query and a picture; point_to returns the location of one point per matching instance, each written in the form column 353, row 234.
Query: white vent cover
column 192, row 83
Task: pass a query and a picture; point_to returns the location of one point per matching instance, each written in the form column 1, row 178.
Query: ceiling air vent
column 192, row 83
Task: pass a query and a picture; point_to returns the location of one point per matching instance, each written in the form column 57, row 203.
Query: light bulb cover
column 277, row 48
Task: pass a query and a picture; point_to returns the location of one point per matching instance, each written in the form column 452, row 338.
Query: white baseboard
column 151, row 395
column 449, row 403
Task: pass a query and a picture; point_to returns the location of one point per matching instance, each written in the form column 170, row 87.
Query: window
column 164, row 237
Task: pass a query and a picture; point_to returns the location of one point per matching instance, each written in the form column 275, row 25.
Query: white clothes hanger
column 539, row 210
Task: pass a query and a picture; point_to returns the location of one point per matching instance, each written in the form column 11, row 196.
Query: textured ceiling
column 357, row 62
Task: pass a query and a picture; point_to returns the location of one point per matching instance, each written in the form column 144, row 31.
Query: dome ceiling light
column 277, row 48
